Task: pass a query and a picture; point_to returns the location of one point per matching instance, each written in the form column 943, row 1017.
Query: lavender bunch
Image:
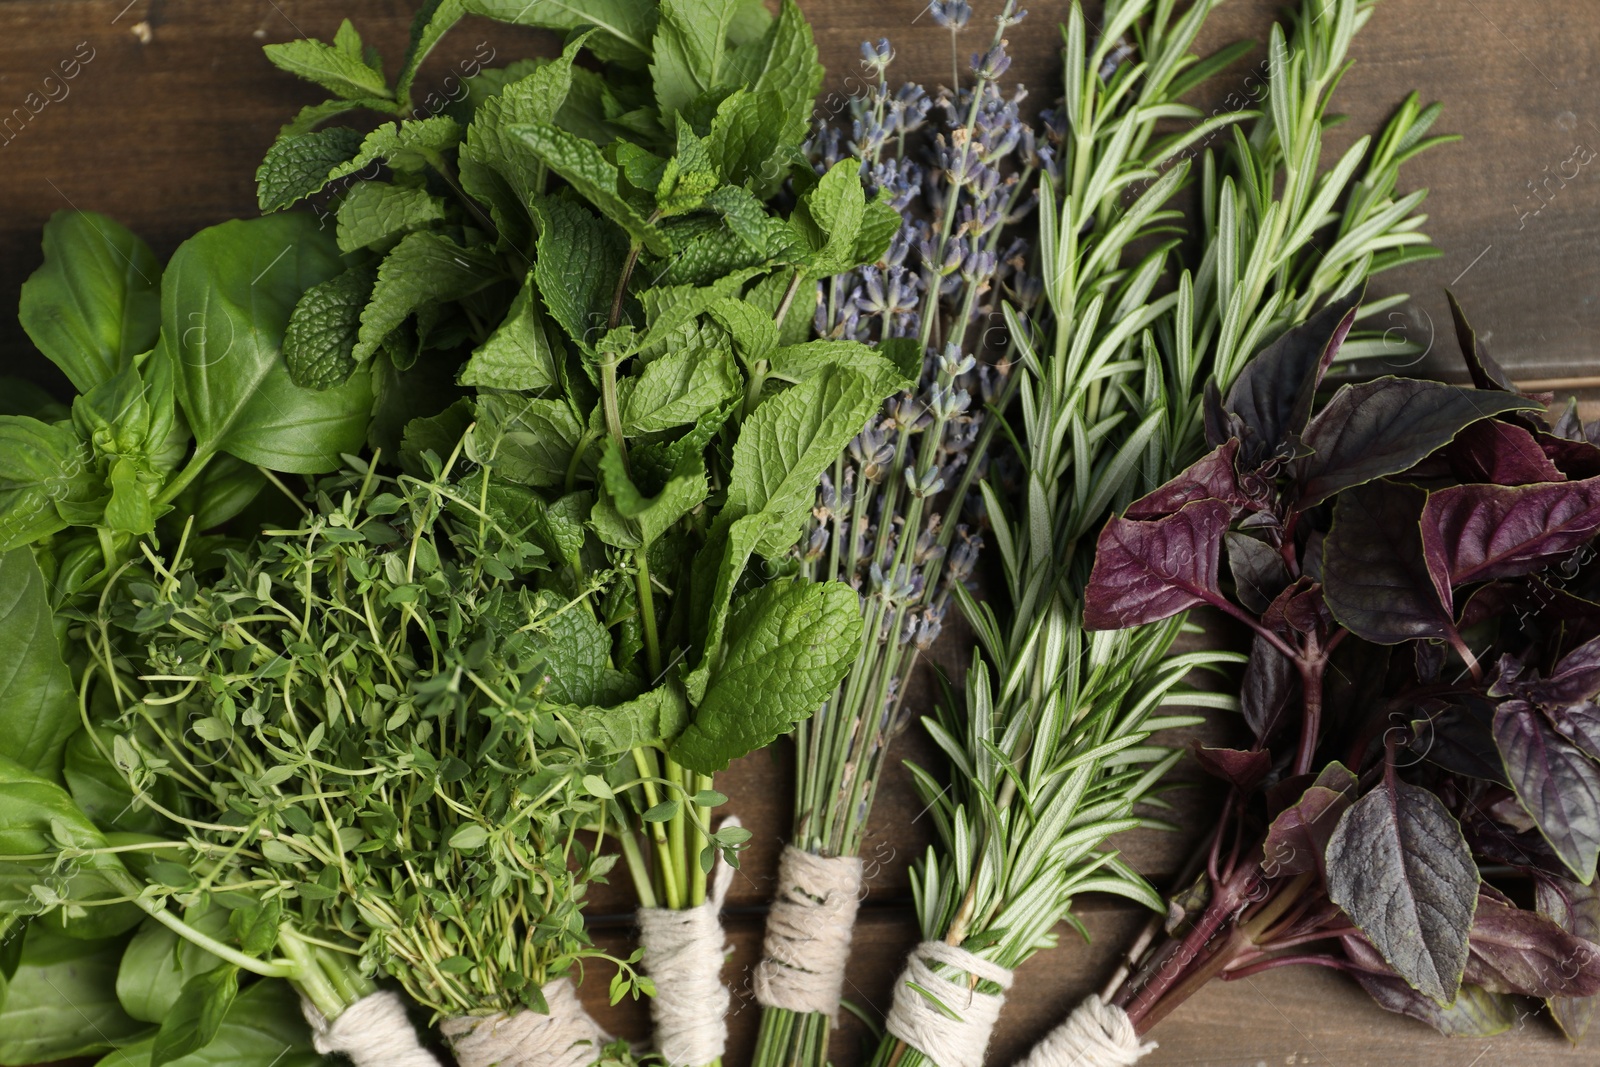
column 959, row 166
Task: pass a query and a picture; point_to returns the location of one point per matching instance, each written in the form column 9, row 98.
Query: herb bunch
column 1384, row 546
column 879, row 517
column 1047, row 753
column 356, row 709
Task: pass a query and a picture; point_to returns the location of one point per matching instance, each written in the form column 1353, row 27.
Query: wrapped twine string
column 373, row 1032
column 808, row 933
column 683, row 952
column 916, row 1020
column 1096, row 1034
column 566, row 1037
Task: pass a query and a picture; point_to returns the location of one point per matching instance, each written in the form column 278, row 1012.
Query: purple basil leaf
column 1569, row 425
column 1575, row 679
column 1524, row 953
column 1399, row 867
column 1220, row 426
column 1472, row 533
column 1210, row 477
column 1382, row 427
column 1299, row 609
column 1274, row 393
column 1556, row 783
column 1457, row 733
column 1150, row 570
column 1377, row 582
column 1500, row 453
column 1575, row 908
column 1486, row 373
column 1580, row 724
column 1259, row 571
column 1270, row 682
column 1298, row 837
column 1244, row 768
column 1575, row 459
column 1474, row 1013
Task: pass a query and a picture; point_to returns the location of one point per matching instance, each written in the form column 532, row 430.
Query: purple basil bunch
column 1414, row 562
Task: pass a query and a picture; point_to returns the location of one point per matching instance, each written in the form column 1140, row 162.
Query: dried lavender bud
column 951, row 14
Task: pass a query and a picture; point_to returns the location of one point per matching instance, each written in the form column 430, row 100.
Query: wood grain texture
column 163, row 125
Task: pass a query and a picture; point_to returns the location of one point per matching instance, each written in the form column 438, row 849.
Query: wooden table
column 173, row 105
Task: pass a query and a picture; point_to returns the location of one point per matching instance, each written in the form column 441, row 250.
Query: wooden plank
column 171, row 106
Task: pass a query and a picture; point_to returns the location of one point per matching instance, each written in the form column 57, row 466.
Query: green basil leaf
column 62, row 1002
column 264, row 1028
column 47, row 481
column 226, row 301
column 36, row 691
column 197, row 1015
column 95, row 302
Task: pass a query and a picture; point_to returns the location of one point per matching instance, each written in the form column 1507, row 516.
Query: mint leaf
column 647, row 518
column 519, row 354
column 526, row 441
column 786, row 444
column 371, row 212
column 791, row 643
column 300, row 164
column 626, row 25
column 409, row 145
column 797, row 363
column 35, row 686
column 424, row 268
column 646, row 719
column 682, row 385
column 433, row 20
column 768, row 294
column 580, row 162
column 688, row 50
column 754, row 333
column 332, row 68
column 746, row 134
column 668, row 308
column 322, row 330
column 579, row 259
column 783, row 62
column 879, row 223
column 830, row 217
column 499, row 170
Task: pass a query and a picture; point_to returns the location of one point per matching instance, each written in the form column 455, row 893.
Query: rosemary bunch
column 1049, row 755
column 348, row 727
